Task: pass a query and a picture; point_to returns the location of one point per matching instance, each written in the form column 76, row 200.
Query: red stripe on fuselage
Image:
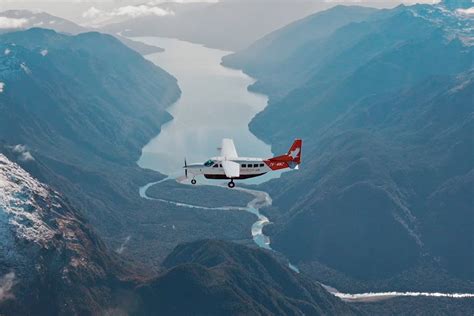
column 223, row 176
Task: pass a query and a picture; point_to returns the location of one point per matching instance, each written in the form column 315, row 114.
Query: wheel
column 231, row 184
column 193, row 181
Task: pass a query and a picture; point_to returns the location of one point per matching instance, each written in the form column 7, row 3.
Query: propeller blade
column 185, row 168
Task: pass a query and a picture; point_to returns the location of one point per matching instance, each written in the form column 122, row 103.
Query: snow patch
column 122, row 247
column 7, row 51
column 2, row 87
column 24, row 153
column 25, row 68
column 44, row 52
column 6, row 284
column 20, row 198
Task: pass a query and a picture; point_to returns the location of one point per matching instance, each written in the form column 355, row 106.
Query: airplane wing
column 228, row 149
column 231, row 169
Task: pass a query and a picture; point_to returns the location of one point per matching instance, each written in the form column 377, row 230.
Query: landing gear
column 231, row 184
column 193, row 181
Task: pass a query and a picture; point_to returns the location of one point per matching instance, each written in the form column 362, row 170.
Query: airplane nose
column 193, row 166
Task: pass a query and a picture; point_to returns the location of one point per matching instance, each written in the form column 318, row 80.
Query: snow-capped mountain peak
column 24, row 202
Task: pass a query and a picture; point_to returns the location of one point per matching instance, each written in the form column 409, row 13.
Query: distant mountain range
column 228, row 24
column 24, row 19
column 384, row 103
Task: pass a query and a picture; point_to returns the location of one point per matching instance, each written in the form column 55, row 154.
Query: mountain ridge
column 27, row 19
column 379, row 104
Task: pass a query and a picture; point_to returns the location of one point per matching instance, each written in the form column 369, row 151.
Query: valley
column 97, row 217
column 177, row 138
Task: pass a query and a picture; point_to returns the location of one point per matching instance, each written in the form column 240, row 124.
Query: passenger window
column 244, row 166
column 216, row 165
column 220, row 166
column 261, row 165
column 255, row 165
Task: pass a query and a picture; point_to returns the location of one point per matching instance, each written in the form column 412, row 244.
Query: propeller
column 185, row 168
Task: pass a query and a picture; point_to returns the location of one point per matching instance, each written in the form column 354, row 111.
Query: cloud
column 6, row 284
column 12, row 23
column 58, row 1
column 141, row 10
column 24, row 153
column 92, row 13
column 156, row 2
column 130, row 11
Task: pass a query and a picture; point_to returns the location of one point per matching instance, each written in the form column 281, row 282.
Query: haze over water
column 214, row 104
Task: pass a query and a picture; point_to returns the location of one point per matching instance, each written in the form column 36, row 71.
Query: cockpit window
column 209, row 163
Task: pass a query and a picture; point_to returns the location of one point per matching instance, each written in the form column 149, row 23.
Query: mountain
column 290, row 41
column 24, row 19
column 88, row 83
column 212, row 277
column 83, row 117
column 289, row 58
column 51, row 262
column 15, row 20
column 383, row 199
column 228, row 24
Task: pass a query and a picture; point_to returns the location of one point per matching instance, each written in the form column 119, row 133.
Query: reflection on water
column 214, row 104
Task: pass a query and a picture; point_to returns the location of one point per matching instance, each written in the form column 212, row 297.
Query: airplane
column 230, row 166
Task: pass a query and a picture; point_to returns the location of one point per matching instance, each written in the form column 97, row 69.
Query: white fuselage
column 228, row 165
column 212, row 169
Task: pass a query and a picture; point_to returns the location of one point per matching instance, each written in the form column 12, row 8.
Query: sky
column 83, row 11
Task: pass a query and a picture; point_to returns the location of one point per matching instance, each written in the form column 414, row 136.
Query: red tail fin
column 290, row 160
column 295, row 151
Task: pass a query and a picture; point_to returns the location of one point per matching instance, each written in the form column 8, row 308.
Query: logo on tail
column 295, row 151
column 291, row 160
